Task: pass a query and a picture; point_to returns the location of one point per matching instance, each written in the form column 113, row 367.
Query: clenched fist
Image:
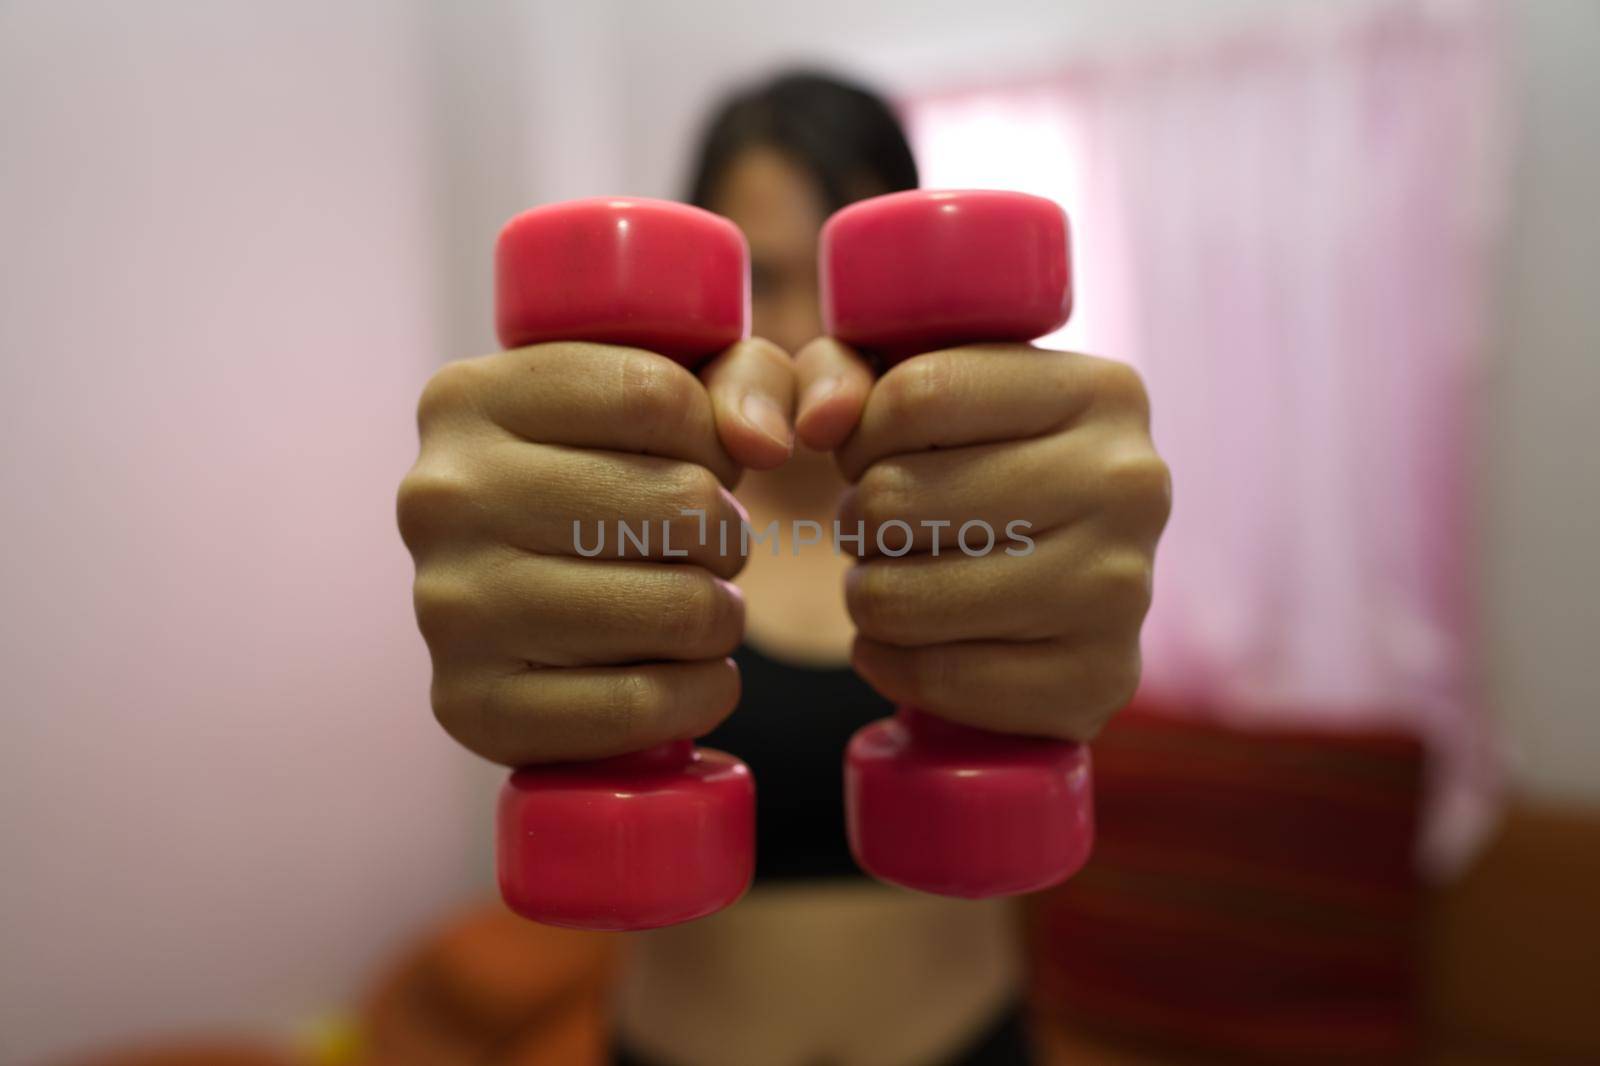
column 544, row 653
column 1053, row 446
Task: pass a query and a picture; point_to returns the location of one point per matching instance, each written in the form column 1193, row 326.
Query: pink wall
column 222, row 794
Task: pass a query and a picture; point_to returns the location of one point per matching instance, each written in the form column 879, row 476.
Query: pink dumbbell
column 667, row 834
column 931, row 804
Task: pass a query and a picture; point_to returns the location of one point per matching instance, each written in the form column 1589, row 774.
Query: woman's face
column 781, row 213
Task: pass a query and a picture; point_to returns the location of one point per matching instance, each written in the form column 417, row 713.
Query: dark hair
column 845, row 136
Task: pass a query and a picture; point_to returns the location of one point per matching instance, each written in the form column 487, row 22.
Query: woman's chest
column 794, row 603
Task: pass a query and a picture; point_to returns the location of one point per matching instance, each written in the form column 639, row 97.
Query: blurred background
column 1354, row 248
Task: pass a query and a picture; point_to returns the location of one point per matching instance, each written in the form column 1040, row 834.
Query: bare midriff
column 841, row 973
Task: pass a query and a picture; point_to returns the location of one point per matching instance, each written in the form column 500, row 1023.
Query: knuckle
column 448, row 612
column 658, row 393
column 632, row 699
column 1112, row 677
column 1125, row 583
column 937, row 683
column 461, row 707
column 432, row 499
column 690, row 487
column 700, row 612
column 884, row 493
column 494, row 717
column 454, row 712
column 879, row 609
column 1088, row 687
column 913, row 389
column 452, row 389
column 633, row 704
column 1140, row 485
column 1121, row 384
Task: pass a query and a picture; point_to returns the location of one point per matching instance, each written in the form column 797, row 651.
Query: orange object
column 489, row 988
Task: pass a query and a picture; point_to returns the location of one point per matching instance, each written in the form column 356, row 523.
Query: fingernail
column 818, row 391
column 761, row 412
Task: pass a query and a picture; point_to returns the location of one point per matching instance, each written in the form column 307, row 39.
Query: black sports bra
column 791, row 727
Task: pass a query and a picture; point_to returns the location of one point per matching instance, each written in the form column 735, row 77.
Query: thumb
column 752, row 399
column 833, row 380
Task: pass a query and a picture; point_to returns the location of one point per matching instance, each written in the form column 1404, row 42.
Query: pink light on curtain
column 1290, row 233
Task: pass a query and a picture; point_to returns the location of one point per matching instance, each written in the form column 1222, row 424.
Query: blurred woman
column 818, row 964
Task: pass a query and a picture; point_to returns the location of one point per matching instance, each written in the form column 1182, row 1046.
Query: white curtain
column 1290, row 231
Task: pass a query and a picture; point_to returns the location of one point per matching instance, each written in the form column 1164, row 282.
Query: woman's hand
column 540, row 653
column 1037, row 642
